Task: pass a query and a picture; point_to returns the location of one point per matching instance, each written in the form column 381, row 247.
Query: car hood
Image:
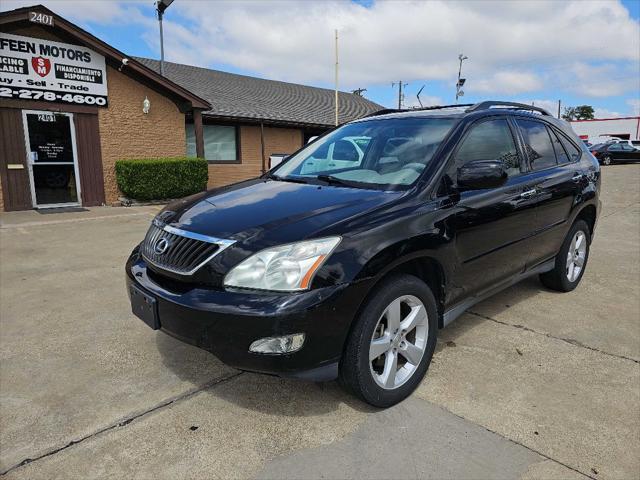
column 275, row 211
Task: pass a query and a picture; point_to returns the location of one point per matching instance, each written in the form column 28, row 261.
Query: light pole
column 459, row 91
column 161, row 6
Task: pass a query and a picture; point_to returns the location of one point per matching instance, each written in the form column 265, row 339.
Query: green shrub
column 161, row 178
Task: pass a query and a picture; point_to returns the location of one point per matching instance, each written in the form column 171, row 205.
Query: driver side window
column 490, row 140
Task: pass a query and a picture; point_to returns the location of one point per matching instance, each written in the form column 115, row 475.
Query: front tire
column 390, row 347
column 571, row 261
column 606, row 160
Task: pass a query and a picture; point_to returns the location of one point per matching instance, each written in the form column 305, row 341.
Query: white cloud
column 513, row 47
column 600, row 112
column 603, row 80
column 409, row 40
column 508, row 82
column 634, row 105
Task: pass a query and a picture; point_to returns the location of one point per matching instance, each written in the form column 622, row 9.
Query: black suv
column 345, row 260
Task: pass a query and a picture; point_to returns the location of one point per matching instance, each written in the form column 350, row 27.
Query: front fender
column 379, row 241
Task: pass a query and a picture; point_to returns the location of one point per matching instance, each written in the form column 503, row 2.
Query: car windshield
column 384, row 154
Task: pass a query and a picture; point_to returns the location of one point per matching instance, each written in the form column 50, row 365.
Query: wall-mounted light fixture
column 146, row 105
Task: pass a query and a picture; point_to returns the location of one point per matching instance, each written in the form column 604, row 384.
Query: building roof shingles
column 240, row 96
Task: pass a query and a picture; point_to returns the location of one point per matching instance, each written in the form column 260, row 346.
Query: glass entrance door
column 50, row 141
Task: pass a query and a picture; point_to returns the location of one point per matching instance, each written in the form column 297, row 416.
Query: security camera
column 125, row 62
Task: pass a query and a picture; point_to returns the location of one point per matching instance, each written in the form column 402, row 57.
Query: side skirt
column 454, row 312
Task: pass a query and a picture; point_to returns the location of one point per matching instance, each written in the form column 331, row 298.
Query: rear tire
column 571, row 261
column 606, row 160
column 390, row 347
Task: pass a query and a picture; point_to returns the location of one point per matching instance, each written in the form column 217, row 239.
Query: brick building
column 71, row 105
column 256, row 118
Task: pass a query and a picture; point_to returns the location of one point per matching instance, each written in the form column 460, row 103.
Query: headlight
column 284, row 268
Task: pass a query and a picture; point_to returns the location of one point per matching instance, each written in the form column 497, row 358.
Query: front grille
column 180, row 251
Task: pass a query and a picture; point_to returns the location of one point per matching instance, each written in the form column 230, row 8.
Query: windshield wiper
column 331, row 180
column 286, row 179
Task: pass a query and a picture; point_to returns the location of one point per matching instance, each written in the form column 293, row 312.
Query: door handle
column 528, row 193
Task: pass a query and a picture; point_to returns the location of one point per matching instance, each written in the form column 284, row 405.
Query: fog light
column 278, row 345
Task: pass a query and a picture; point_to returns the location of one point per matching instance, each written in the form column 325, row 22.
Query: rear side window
column 537, row 144
column 573, row 151
column 561, row 155
column 490, row 140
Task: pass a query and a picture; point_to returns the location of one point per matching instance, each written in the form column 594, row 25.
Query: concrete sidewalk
column 529, row 384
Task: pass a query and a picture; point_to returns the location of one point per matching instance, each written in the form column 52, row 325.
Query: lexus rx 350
column 345, row 260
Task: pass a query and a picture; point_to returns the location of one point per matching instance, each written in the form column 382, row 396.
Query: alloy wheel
column 576, row 255
column 398, row 342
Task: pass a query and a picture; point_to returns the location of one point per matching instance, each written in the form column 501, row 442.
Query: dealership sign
column 36, row 69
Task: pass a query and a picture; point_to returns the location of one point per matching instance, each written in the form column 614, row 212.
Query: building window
column 220, row 143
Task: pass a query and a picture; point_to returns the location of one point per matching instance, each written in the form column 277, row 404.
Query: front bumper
column 226, row 322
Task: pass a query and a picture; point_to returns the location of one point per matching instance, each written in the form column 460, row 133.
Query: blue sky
column 582, row 52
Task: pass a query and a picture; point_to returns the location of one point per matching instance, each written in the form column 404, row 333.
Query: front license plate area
column 145, row 307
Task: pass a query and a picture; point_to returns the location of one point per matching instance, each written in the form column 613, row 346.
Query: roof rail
column 513, row 106
column 420, row 109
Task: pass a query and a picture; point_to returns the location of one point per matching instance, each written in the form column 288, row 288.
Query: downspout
column 262, row 146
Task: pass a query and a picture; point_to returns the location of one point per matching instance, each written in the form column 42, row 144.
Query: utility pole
column 400, row 94
column 161, row 6
column 161, row 45
column 336, row 100
column 461, row 81
column 559, row 105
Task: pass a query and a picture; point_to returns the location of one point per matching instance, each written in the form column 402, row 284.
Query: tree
column 569, row 114
column 581, row 112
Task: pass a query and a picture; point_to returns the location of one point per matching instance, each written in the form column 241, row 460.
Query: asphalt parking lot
column 529, row 384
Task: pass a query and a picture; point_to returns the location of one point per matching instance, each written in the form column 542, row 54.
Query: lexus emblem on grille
column 161, row 246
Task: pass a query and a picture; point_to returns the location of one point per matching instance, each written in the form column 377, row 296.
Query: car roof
column 489, row 106
column 415, row 113
column 477, row 110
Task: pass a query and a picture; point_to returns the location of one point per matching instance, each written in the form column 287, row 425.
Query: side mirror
column 481, row 174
